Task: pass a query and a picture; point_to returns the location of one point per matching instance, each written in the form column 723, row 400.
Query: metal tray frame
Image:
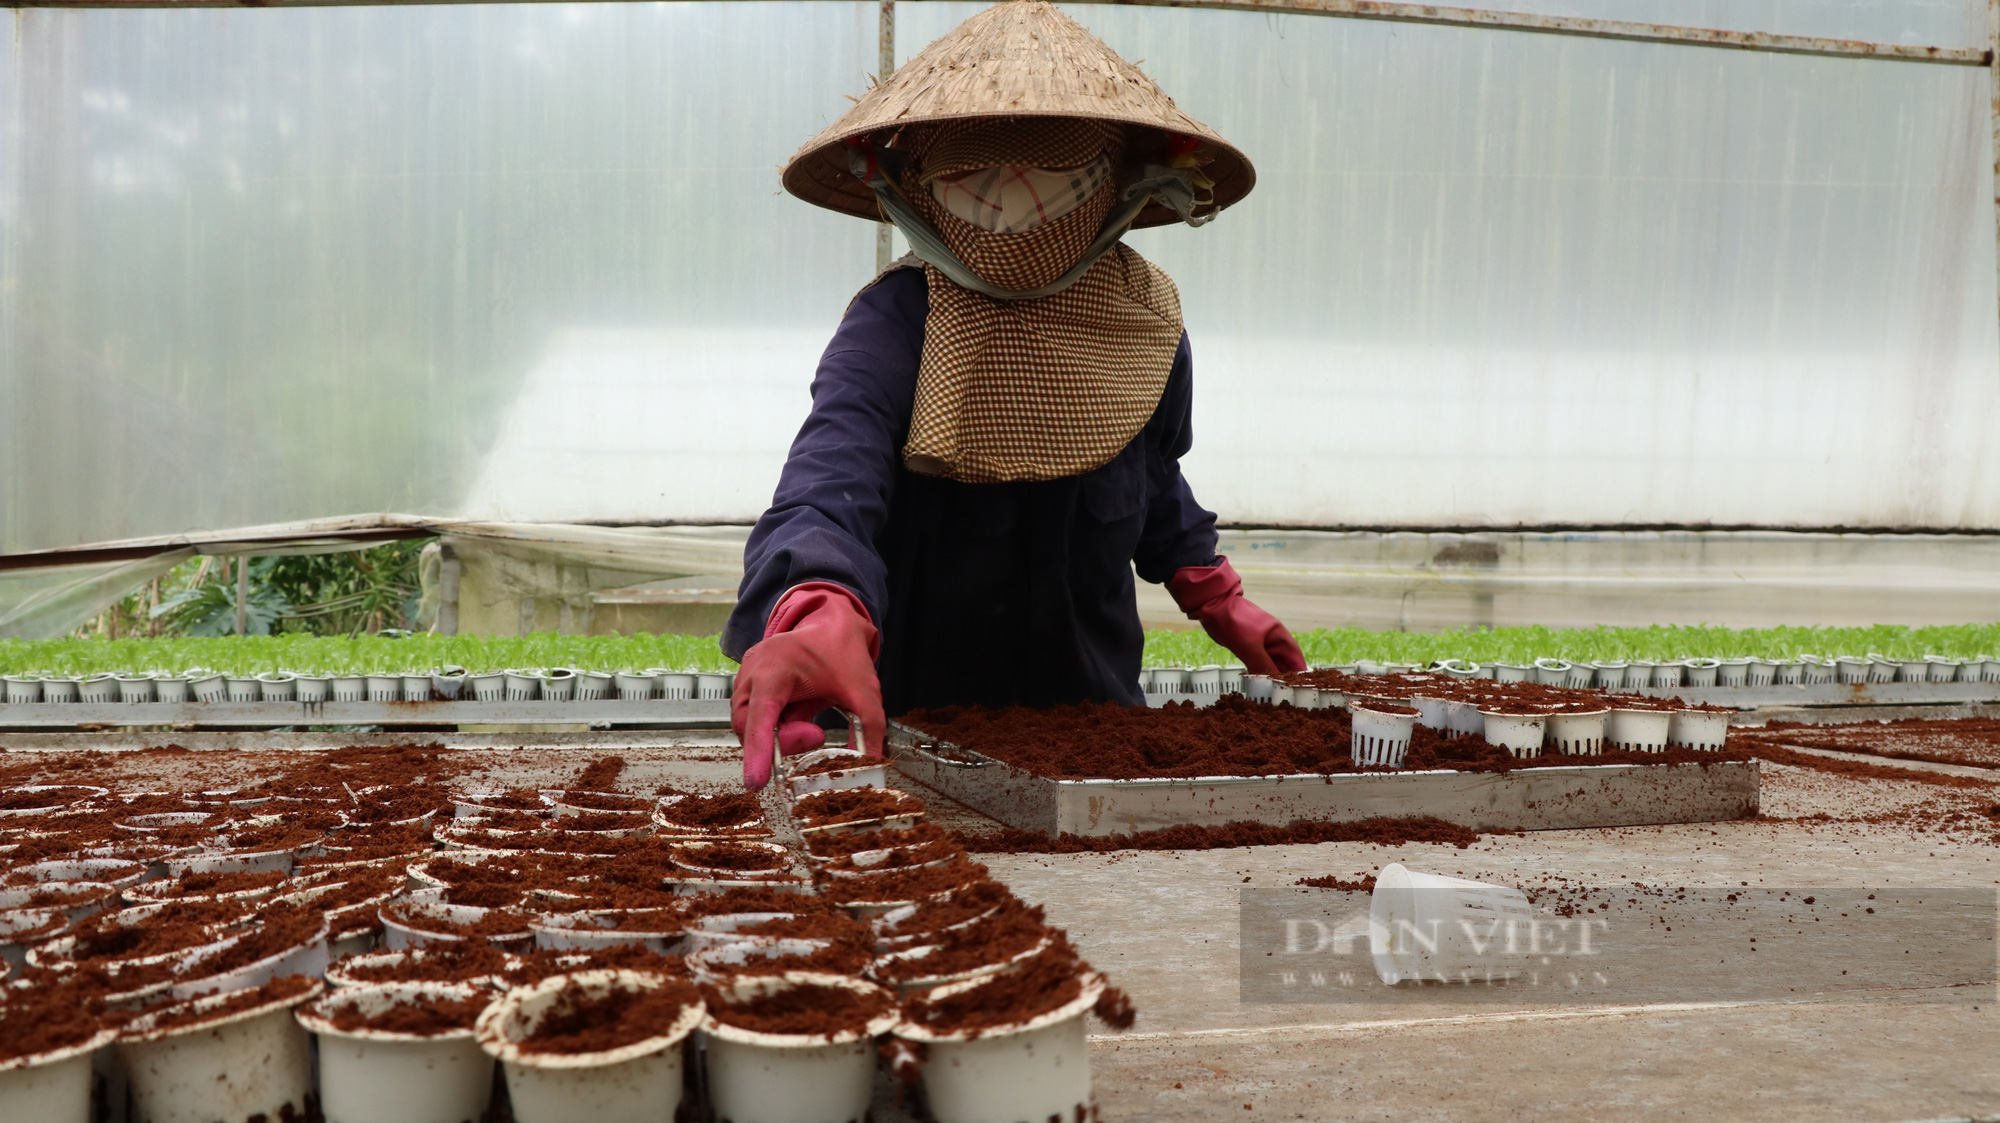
column 1554, row 798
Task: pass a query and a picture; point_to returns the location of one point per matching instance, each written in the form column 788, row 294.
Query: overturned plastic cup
column 1427, row 927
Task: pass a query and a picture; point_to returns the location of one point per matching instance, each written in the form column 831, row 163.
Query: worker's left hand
column 818, row 653
column 1213, row 594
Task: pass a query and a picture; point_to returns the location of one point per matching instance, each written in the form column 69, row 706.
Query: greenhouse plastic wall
column 532, row 263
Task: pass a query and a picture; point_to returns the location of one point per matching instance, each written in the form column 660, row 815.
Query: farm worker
column 996, row 429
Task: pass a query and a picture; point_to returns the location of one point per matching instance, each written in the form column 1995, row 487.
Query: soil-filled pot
column 201, row 974
column 1698, row 729
column 816, row 771
column 1576, row 734
column 51, row 1086
column 401, row 1053
column 1380, row 735
column 1637, row 731
column 1520, row 734
column 559, row 685
column 756, row 1075
column 1032, row 1070
column 661, row 930
column 449, row 683
column 21, row 929
column 635, row 1080
column 414, row 923
column 224, row 1057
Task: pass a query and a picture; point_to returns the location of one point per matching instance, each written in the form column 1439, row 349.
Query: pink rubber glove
column 818, row 652
column 1213, row 594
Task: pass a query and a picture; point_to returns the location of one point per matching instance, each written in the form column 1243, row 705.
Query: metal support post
column 243, row 594
column 885, row 63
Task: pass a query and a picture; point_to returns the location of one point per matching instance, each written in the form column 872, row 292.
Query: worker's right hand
column 818, row 652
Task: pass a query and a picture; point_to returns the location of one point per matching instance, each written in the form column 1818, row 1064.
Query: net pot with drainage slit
column 677, row 686
column 758, row 1077
column 230, row 1066
column 1552, row 672
column 1733, row 672
column 866, row 772
column 1815, row 669
column 244, row 689
column 1034, row 1070
column 380, row 1076
column 1973, row 669
column 1380, row 738
column 23, row 688
column 1698, row 729
column 277, row 688
column 314, row 689
column 1941, row 668
column 1637, row 731
column 1761, row 672
column 385, row 688
column 559, row 685
column 636, row 1083
column 1459, row 668
column 171, row 688
column 522, row 686
column 1257, row 688
column 1206, row 680
column 1576, row 734
column 135, row 688
column 712, row 687
column 490, row 687
column 634, row 687
column 416, row 688
column 1639, row 674
column 1701, row 672
column 51, row 1086
column 1513, row 672
column 1432, row 712
column 1854, row 668
column 1425, row 926
column 1670, row 674
column 1608, row 674
column 61, row 688
column 98, row 688
column 1169, row 680
column 1520, row 734
column 592, row 686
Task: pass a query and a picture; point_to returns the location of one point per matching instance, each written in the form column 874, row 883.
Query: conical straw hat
column 1020, row 58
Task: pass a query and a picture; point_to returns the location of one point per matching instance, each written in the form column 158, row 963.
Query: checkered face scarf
column 1045, row 388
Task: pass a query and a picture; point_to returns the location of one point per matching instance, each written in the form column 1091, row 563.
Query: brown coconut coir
column 582, row 1022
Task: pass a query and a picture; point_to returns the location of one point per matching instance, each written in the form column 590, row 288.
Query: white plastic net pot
column 244, row 689
column 314, row 690
column 1520, row 734
column 1036, row 1070
column 350, row 688
column 230, row 1067
column 1206, row 681
column 1513, row 672
column 1429, row 927
column 594, row 685
column 522, row 686
column 791, row 1078
column 277, row 688
column 1637, row 731
column 1380, row 738
column 53, row 1086
column 1639, row 674
column 1700, row 672
column 711, row 687
column 416, row 688
column 558, row 686
column 489, row 687
column 1852, row 669
column 1942, row 669
column 1576, row 734
column 21, row 689
column 1815, row 670
column 1432, row 712
column 634, row 687
column 1608, row 675
column 1698, row 729
column 135, row 688
column 635, row 1083
column 1168, row 680
column 1761, row 672
column 1669, row 674
column 376, row 1076
column 677, row 685
column 1733, row 672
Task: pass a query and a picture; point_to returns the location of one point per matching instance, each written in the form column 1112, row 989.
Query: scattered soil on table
column 808, row 1008
column 835, row 845
column 44, row 1019
column 423, row 1017
column 1046, row 982
column 835, row 764
column 600, row 775
column 1232, row 737
column 904, row 885
column 939, row 913
column 581, row 1022
column 1007, row 933
column 1362, row 884
column 848, row 805
column 492, row 923
column 282, row 929
column 713, row 812
column 1381, row 832
column 1973, row 742
column 731, row 856
column 201, row 1011
column 1861, row 770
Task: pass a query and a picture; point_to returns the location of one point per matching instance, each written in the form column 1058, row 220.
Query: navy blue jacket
column 991, row 594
